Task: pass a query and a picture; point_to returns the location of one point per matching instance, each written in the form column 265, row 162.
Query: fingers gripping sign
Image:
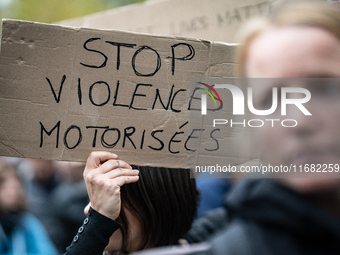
column 104, row 174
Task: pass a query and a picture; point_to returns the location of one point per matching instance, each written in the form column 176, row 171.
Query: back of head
column 164, row 200
column 292, row 13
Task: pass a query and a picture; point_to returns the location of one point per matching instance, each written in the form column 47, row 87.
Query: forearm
column 93, row 236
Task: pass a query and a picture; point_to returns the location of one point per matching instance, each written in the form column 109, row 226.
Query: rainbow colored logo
column 204, row 98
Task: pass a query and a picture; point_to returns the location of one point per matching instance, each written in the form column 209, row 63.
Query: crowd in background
column 52, row 194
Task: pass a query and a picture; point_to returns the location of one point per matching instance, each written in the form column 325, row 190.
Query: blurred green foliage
column 49, row 11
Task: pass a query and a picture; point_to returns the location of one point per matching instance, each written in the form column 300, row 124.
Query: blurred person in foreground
column 289, row 215
column 20, row 232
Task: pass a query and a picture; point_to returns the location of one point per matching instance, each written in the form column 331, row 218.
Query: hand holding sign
column 104, row 175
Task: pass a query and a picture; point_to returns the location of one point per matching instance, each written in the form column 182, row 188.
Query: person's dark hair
column 164, row 201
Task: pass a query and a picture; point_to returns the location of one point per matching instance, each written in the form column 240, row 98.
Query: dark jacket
column 263, row 217
column 93, row 236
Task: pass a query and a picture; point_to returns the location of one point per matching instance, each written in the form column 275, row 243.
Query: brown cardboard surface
column 215, row 20
column 63, row 92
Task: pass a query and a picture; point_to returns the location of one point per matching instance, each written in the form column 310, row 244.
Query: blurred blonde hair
column 311, row 14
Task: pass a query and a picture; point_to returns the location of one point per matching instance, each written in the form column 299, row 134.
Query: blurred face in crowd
column 71, row 171
column 301, row 52
column 11, row 193
column 43, row 169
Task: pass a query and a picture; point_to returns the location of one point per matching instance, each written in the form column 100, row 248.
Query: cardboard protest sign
column 215, row 20
column 67, row 91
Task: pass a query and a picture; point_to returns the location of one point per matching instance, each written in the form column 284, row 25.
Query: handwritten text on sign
column 78, row 90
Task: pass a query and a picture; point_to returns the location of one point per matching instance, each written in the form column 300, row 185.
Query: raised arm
column 104, row 175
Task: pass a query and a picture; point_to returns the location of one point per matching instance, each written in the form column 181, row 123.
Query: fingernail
column 114, row 155
column 137, row 171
